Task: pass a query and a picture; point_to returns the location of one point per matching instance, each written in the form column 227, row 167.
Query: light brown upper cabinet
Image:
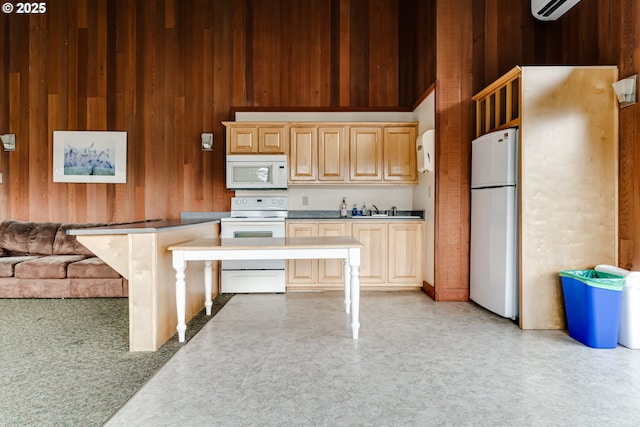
column 400, row 154
column 317, row 154
column 303, row 153
column 256, row 138
column 383, row 154
column 332, row 154
column 365, row 153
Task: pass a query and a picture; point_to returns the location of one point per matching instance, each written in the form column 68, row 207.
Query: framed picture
column 90, row 156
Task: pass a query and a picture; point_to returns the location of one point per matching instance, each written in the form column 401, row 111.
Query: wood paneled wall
column 166, row 71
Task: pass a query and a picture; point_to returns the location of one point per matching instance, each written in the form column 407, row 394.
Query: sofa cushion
column 28, row 238
column 91, row 268
column 8, row 263
column 48, row 267
column 67, row 244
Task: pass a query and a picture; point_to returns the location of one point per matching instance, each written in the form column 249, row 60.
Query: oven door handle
column 253, row 224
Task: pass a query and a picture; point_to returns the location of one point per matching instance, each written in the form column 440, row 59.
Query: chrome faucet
column 376, row 208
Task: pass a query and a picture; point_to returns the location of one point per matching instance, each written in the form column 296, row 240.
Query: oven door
column 231, row 229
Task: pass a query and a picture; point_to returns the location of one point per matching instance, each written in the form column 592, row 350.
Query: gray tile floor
column 288, row 360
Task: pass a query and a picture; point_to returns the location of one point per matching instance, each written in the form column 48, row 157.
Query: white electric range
column 254, row 217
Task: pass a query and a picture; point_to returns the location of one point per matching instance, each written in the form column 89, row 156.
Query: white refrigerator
column 494, row 222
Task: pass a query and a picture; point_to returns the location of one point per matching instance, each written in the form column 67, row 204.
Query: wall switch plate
column 0, row 177
column 305, row 200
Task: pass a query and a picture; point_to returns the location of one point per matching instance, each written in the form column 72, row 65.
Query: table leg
column 354, row 262
column 208, row 280
column 180, row 302
column 347, row 286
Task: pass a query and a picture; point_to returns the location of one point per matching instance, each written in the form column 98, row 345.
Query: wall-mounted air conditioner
column 550, row 10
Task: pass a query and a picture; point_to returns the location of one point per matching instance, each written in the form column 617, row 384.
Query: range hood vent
column 550, row 10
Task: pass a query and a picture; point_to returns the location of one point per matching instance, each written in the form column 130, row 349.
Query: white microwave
column 251, row 171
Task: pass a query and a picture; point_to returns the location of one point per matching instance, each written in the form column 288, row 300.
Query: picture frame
column 90, row 156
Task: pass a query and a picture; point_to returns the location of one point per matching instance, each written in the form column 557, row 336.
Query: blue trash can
column 592, row 304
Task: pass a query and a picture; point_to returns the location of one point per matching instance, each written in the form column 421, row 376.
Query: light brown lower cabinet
column 391, row 255
column 405, row 252
column 302, row 271
column 374, row 254
column 331, row 271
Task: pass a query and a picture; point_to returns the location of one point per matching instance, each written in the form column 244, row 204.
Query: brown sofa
column 40, row 260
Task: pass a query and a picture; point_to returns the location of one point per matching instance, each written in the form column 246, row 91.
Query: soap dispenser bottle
column 343, row 208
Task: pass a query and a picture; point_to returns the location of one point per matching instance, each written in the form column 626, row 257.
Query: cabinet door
column 242, row 140
column 405, row 252
column 365, row 154
column 400, row 154
column 303, row 149
column 373, row 255
column 332, row 154
column 302, row 271
column 272, row 140
column 331, row 271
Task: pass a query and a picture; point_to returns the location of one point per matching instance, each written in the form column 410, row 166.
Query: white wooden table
column 208, row 250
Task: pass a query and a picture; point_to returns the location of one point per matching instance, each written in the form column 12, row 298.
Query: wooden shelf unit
column 498, row 106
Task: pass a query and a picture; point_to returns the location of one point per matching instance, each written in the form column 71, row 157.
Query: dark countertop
column 319, row 215
column 141, row 227
column 417, row 215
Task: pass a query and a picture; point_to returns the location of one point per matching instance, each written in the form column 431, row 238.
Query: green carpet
column 66, row 362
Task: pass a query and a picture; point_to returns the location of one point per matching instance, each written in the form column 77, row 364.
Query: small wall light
column 207, row 141
column 8, row 141
column 626, row 90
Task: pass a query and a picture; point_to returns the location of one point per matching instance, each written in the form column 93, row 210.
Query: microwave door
column 252, row 174
column 249, row 176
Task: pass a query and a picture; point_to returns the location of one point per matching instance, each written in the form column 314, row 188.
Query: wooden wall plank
column 37, row 118
column 344, row 74
column 224, row 71
column 383, row 44
column 359, row 53
column 454, row 132
column 629, row 145
column 5, row 85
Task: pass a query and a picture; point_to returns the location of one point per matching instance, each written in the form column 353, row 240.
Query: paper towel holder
column 425, row 150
